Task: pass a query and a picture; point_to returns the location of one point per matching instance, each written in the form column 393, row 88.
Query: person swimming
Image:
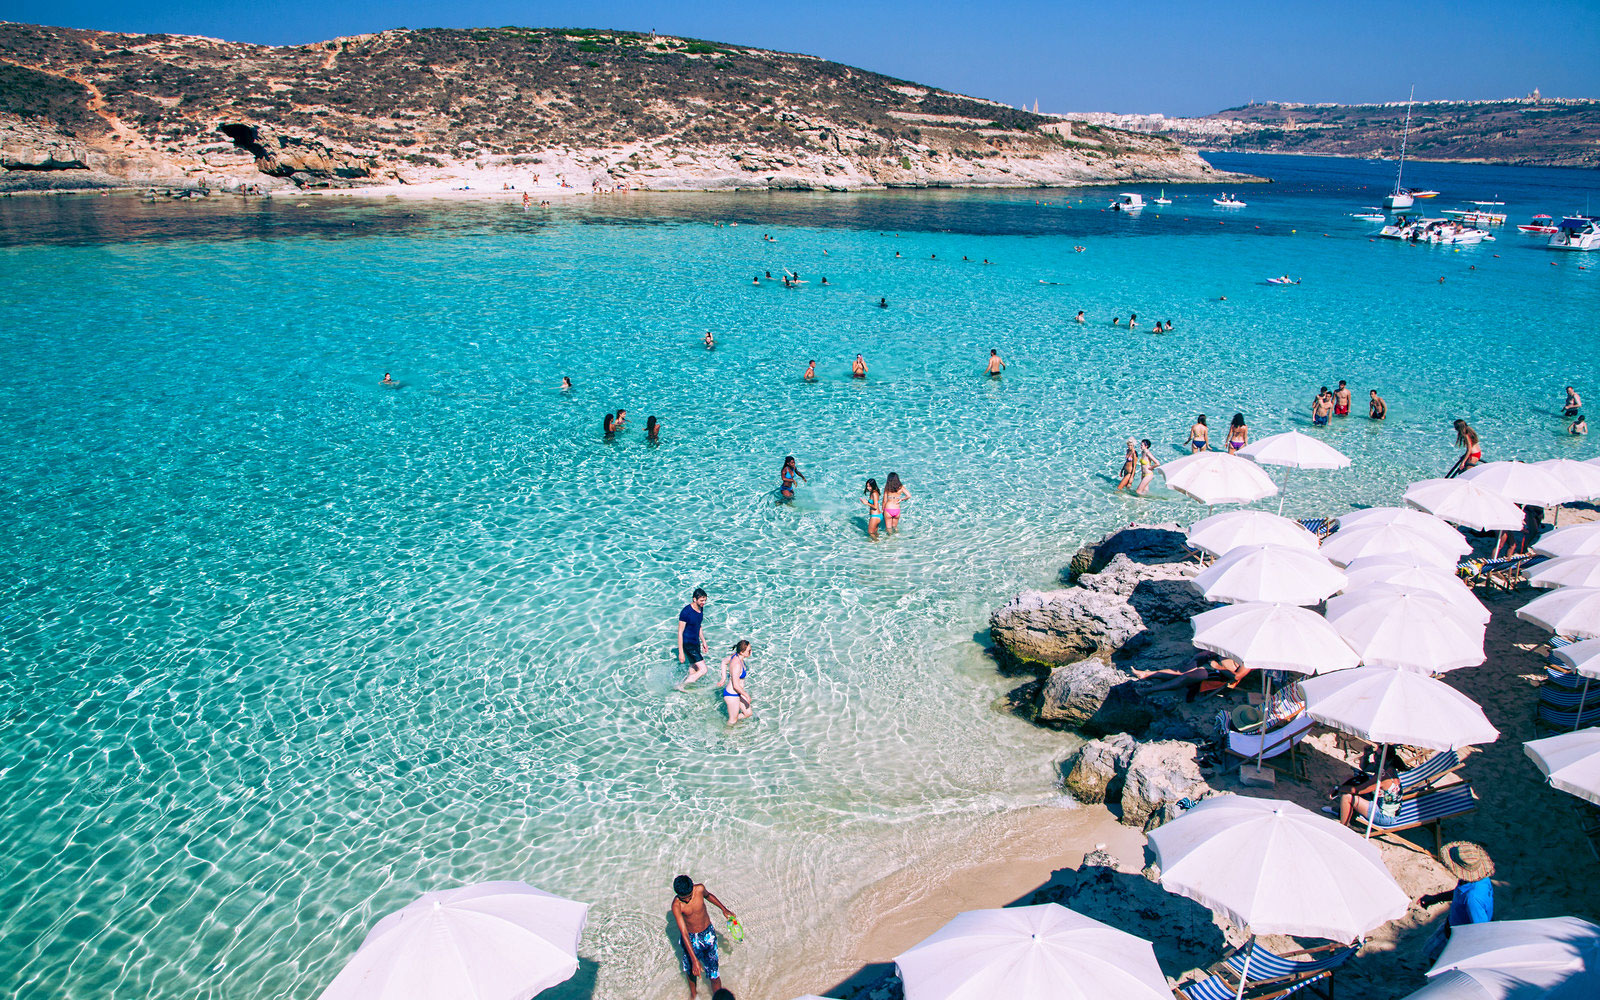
column 811, row 372
column 609, row 428
column 566, row 384
column 883, row 303
column 1080, row 318
column 858, row 367
column 824, row 280
column 996, row 365
column 786, row 477
column 874, row 501
column 387, row 380
column 621, row 419
column 894, row 494
column 652, row 430
column 1238, row 433
column 1579, row 426
column 1199, row 435
column 711, row 341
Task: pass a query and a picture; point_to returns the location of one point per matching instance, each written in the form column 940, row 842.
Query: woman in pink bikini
column 894, row 495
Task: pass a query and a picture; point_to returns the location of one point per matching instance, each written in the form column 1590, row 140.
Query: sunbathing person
column 1209, row 668
column 1355, row 795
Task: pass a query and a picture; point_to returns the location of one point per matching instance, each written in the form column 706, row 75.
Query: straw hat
column 1467, row 861
column 1246, row 716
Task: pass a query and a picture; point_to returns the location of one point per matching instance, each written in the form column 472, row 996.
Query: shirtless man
column 695, row 935
column 811, row 372
column 1080, row 316
column 858, row 367
column 996, row 365
column 1341, row 400
column 1377, row 409
column 1321, row 407
column 1574, row 403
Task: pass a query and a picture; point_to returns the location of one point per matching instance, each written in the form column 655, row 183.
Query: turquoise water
column 281, row 648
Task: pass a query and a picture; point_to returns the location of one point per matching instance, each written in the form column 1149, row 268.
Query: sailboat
column 1163, row 199
column 1401, row 197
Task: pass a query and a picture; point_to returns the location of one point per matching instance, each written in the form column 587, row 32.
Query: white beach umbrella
column 1567, row 571
column 491, row 941
column 1570, row 762
column 1405, row 517
column 1294, row 450
column 1044, row 952
column 1390, row 626
column 1488, row 984
column 1269, row 573
column 1573, row 540
column 1582, row 479
column 1219, row 533
column 1265, row 636
column 1382, row 705
column 1212, row 477
column 1563, row 945
column 1570, row 611
column 1277, row 868
column 1464, row 503
column 1583, row 657
column 1520, row 483
column 1349, row 544
column 1364, row 573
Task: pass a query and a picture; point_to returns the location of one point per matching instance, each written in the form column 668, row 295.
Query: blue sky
column 1171, row 57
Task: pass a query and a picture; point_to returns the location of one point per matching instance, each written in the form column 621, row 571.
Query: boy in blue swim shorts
column 696, row 937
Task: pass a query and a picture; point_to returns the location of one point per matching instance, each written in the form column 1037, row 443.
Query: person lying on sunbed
column 1209, row 673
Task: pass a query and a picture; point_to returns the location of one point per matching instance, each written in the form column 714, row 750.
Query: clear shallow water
column 280, row 649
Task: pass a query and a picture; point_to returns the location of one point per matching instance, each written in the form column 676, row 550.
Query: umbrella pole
column 1244, row 974
column 1266, row 701
column 1283, row 491
column 1377, row 787
column 1577, row 720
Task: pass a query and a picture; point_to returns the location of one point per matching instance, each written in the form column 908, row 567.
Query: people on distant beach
column 734, row 693
column 1238, row 433
column 1579, row 426
column 858, row 367
column 811, row 371
column 388, row 379
column 1080, row 318
column 1377, row 409
column 1208, row 667
column 996, row 365
column 1148, row 464
column 566, row 384
column 1472, row 453
column 873, row 498
column 710, row 341
column 1341, row 400
column 894, row 495
column 1321, row 407
column 1472, row 899
column 1130, row 461
column 1199, row 435
column 696, row 937
column 652, row 429
column 690, row 652
column 1574, row 403
column 786, row 478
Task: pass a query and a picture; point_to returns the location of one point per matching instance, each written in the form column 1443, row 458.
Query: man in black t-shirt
column 689, row 641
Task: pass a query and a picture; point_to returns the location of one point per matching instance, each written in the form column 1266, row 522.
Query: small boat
column 1447, row 231
column 1162, row 199
column 1477, row 216
column 1423, row 194
column 1373, row 214
column 1285, row 280
column 1577, row 232
column 1541, row 225
column 1227, row 201
column 1128, row 202
column 1490, row 204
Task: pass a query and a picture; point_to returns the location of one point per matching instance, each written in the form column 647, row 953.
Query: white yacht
column 1446, row 231
column 1477, row 216
column 1401, row 198
column 1127, row 201
column 1577, row 232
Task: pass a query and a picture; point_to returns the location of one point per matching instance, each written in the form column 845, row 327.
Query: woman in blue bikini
column 734, row 694
column 1199, row 435
column 786, row 477
column 874, row 501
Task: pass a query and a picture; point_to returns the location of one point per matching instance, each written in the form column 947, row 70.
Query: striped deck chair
column 1270, row 975
column 1562, row 676
column 1319, row 526
column 1570, row 699
column 1567, row 719
column 1503, row 573
column 1417, row 780
column 1277, row 741
column 1429, row 808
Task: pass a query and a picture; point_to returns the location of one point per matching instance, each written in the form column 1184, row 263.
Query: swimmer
column 786, row 477
column 387, row 380
column 894, row 494
column 711, row 342
column 1116, row 321
column 874, row 501
column 756, row 280
column 1080, row 318
column 858, row 367
column 622, row 418
column 566, row 384
column 1169, row 326
column 1133, row 320
column 1377, row 409
column 897, row 253
column 1321, row 407
column 811, row 372
column 1148, row 464
column 996, row 364
column 1579, row 426
column 609, row 428
column 883, row 303
column 1130, row 461
column 1341, row 400
column 824, row 281
column 652, row 430
column 933, row 256
column 1199, row 435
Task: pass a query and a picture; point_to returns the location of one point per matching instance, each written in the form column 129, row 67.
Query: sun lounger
column 1429, row 808
column 1247, row 745
column 1270, row 975
column 1504, row 573
column 1569, row 699
column 1568, row 718
column 1319, row 526
column 1560, row 675
column 1420, row 778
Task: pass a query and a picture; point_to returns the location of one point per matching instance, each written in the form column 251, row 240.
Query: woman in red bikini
column 1466, row 438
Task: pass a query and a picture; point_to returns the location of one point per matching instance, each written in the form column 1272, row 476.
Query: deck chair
column 1429, row 808
column 1319, row 526
column 1422, row 777
column 1503, row 573
column 1568, row 699
column 1560, row 675
column 1271, row 975
column 1272, row 743
column 1567, row 719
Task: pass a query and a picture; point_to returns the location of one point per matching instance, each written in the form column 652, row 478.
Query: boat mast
column 1403, row 136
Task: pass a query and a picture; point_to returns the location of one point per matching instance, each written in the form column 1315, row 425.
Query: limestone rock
column 1095, row 697
column 1097, row 770
column 1159, row 773
column 1061, row 626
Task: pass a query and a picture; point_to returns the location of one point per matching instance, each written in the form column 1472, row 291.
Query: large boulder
column 1142, row 543
column 1094, row 697
column 1062, row 626
column 1159, row 773
column 1097, row 770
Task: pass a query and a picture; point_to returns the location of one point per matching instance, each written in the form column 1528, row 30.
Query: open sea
column 281, row 648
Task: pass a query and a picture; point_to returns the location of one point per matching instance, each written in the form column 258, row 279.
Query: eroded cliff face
column 583, row 109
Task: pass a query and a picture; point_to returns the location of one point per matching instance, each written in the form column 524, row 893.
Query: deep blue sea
column 281, row 648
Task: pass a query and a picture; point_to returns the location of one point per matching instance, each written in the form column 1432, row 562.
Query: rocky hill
column 1525, row 132
column 582, row 108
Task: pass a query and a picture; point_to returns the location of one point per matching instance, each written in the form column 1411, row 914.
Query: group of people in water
column 615, row 422
column 1336, row 403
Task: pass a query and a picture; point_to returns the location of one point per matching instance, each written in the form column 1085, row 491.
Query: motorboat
column 1416, row 193
column 1127, row 201
column 1447, row 231
column 1577, row 232
column 1284, row 280
column 1162, row 199
column 1542, row 225
column 1400, row 197
column 1372, row 214
column 1490, row 204
column 1227, row 201
column 1477, row 216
